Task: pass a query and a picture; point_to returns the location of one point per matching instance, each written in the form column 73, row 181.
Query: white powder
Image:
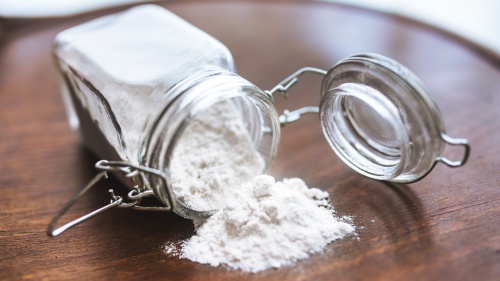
column 266, row 224
column 214, row 155
column 261, row 223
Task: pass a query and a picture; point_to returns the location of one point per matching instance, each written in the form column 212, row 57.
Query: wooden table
column 445, row 227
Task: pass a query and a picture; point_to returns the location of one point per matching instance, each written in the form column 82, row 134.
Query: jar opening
column 220, row 128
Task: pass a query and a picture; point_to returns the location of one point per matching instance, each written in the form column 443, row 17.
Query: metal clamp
column 452, row 141
column 291, row 116
column 135, row 196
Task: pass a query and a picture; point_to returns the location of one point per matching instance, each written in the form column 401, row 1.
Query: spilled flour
column 261, row 223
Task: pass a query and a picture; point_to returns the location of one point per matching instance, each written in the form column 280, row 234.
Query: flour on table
column 261, row 223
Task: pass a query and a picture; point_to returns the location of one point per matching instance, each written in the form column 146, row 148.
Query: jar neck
column 193, row 96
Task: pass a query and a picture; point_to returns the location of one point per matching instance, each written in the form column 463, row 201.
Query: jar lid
column 381, row 121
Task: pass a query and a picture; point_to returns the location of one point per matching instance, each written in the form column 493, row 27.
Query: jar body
column 134, row 82
column 116, row 74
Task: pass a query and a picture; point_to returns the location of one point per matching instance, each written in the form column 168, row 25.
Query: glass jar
column 133, row 82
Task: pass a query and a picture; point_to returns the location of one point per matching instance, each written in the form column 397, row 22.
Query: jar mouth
column 379, row 118
column 191, row 124
column 363, row 127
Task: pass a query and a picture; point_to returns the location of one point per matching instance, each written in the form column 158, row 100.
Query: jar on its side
column 131, row 90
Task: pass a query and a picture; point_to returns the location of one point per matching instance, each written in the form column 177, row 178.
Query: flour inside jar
column 213, row 157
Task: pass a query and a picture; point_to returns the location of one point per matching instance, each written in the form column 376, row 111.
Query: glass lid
column 381, row 121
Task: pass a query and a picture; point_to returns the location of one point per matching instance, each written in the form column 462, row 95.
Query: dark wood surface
column 445, row 227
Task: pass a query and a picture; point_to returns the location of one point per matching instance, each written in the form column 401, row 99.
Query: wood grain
column 445, row 227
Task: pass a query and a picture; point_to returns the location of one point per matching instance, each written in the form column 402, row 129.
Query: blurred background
column 476, row 21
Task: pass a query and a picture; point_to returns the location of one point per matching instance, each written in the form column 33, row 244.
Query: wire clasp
column 455, row 142
column 135, row 196
column 291, row 116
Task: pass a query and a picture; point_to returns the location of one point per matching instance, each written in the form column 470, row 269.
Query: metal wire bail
column 455, row 142
column 135, row 196
column 291, row 116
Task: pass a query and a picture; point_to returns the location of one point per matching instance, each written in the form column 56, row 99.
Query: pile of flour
column 261, row 223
